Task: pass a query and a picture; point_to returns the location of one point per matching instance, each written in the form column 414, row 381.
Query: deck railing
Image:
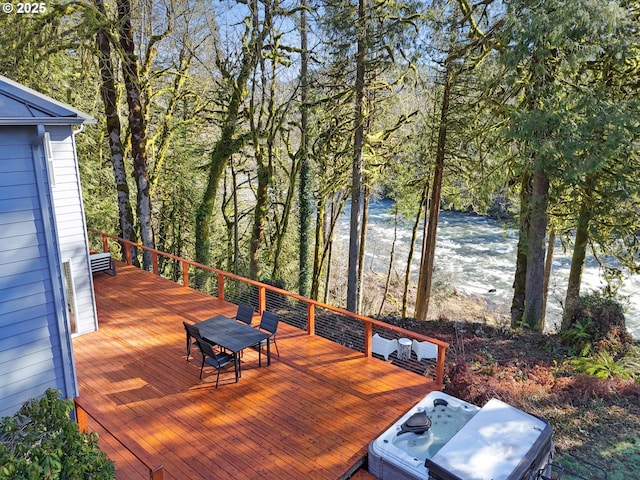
column 156, row 472
column 347, row 328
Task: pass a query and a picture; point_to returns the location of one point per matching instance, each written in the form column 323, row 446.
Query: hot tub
column 394, row 455
column 499, row 443
column 464, row 442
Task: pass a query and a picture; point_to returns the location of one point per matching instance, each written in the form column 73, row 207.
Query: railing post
column 262, row 299
column 105, row 243
column 185, row 274
column 440, row 365
column 82, row 418
column 154, row 262
column 157, row 473
column 368, row 334
column 220, row 286
column 311, row 319
column 127, row 252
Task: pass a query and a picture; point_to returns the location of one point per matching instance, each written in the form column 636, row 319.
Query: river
column 477, row 257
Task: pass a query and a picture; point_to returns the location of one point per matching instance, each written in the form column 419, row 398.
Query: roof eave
column 48, row 121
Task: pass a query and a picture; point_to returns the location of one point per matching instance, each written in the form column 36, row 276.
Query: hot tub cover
column 499, row 443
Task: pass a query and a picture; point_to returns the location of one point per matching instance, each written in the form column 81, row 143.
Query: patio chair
column 269, row 323
column 424, row 349
column 245, row 313
column 192, row 337
column 383, row 346
column 216, row 360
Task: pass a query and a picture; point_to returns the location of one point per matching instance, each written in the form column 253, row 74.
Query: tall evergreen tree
column 550, row 45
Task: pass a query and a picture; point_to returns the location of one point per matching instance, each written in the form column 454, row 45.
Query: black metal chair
column 192, row 333
column 269, row 323
column 216, row 360
column 245, row 313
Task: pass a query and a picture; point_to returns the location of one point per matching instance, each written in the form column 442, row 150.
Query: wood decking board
column 311, row 414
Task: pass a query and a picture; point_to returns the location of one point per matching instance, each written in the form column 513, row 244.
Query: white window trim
column 48, row 155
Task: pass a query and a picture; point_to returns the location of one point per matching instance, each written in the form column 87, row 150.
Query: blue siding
column 33, row 354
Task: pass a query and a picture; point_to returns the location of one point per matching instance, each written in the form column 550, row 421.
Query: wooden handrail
column 262, row 289
column 156, row 472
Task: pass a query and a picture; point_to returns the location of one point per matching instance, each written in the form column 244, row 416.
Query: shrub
column 597, row 323
column 42, row 442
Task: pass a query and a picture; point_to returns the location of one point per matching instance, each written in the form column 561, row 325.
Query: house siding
column 35, row 351
column 71, row 224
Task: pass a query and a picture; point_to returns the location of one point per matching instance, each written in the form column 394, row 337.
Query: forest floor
column 596, row 423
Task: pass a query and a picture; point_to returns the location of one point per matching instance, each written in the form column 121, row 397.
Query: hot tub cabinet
column 464, row 442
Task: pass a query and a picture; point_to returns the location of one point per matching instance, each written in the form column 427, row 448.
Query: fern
column 603, row 365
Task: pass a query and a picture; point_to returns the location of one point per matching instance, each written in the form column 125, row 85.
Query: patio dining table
column 234, row 336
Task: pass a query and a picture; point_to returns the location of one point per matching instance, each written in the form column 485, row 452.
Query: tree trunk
column 548, row 267
column 519, row 281
column 283, row 223
column 222, row 151
column 259, row 217
column 534, row 294
column 356, row 174
column 227, row 144
column 137, row 126
column 318, row 248
column 231, row 221
column 392, row 257
column 163, row 141
column 363, row 247
column 304, row 196
column 109, row 96
column 414, row 235
column 426, row 269
column 324, row 240
column 577, row 262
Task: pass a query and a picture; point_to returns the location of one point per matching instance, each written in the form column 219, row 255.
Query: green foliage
column 603, row 365
column 598, row 337
column 42, row 442
column 597, row 322
column 579, row 336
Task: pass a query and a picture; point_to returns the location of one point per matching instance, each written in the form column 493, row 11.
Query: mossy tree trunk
column 577, row 262
column 109, row 95
column 519, row 281
column 227, row 144
column 534, row 289
column 137, row 127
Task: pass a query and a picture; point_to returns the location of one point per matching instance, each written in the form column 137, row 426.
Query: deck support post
column 154, row 262
column 185, row 274
column 220, row 286
column 157, row 473
column 368, row 334
column 262, row 299
column 127, row 252
column 442, row 350
column 81, row 418
column 311, row 319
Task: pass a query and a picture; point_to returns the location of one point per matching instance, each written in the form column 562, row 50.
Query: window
column 70, row 295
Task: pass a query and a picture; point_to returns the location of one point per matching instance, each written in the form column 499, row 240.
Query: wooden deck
column 311, row 414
